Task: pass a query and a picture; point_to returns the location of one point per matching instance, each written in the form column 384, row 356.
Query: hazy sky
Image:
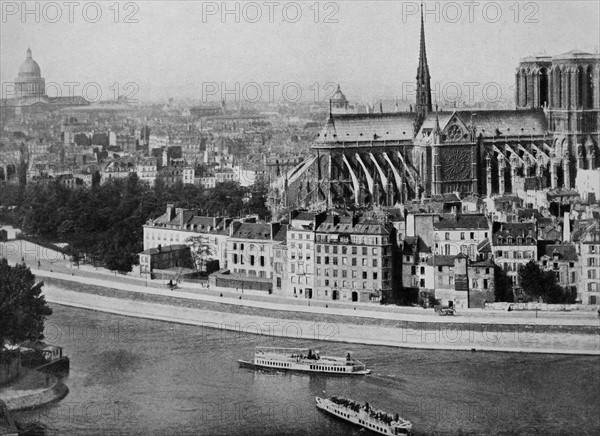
column 188, row 49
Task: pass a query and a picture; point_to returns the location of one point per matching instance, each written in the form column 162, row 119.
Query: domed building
column 340, row 104
column 29, row 95
column 29, row 82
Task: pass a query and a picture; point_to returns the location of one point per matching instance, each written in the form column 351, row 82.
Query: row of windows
column 518, row 241
column 354, row 261
column 271, row 363
column 308, row 245
column 376, row 427
column 252, row 246
column 301, row 280
column 346, row 284
column 463, row 235
column 365, row 240
column 251, row 259
column 413, row 270
column 344, row 250
column 300, row 256
column 556, row 265
column 344, row 273
column 253, row 273
column 328, row 368
column 299, row 236
column 163, row 236
column 517, row 254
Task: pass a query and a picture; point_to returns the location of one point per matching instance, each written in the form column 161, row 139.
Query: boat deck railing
column 373, row 416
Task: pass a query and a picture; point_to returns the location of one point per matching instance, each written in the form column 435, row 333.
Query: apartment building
column 353, row 259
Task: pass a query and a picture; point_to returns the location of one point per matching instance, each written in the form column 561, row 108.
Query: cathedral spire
column 423, row 103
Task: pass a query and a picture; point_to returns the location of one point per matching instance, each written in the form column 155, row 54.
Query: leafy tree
column 541, row 285
column 201, row 249
column 104, row 223
column 96, row 177
column 258, row 201
column 22, row 307
column 503, row 288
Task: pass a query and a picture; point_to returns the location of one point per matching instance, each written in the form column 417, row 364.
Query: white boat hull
column 318, row 368
column 361, row 419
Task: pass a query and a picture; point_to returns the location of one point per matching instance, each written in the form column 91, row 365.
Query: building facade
column 353, row 259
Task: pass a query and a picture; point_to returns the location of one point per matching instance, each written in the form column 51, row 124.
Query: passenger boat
column 362, row 415
column 306, row 360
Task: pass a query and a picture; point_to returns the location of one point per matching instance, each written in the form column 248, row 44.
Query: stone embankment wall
column 445, row 335
column 55, row 391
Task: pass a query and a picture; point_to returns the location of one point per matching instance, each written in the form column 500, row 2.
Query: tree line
column 103, row 223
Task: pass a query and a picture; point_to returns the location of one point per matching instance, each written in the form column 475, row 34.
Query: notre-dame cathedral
column 550, row 141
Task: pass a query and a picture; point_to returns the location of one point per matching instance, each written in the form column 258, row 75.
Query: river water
column 145, row 377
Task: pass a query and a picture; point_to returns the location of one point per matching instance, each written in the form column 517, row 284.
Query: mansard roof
column 260, row 231
column 564, row 251
column 513, row 230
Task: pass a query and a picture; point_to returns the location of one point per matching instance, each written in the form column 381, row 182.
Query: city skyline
column 372, row 50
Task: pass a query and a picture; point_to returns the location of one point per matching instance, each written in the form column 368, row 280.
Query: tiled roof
column 187, row 215
column 252, row 231
column 368, row 127
column 412, row 243
column 430, row 121
column 206, row 224
column 506, row 122
column 441, row 260
column 482, row 264
column 514, row 230
column 565, row 251
column 463, row 222
column 446, row 198
column 364, row 227
column 484, row 246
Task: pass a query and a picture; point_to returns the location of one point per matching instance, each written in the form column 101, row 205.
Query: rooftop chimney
column 566, row 227
column 179, row 211
column 170, row 211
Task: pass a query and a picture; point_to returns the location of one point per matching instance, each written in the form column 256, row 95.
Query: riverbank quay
column 474, row 329
column 45, row 262
column 340, row 325
column 31, row 390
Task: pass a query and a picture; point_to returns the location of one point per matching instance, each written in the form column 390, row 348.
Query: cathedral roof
column 368, row 127
column 577, row 54
column 30, row 68
column 506, row 122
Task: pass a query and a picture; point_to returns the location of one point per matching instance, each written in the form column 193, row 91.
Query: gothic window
column 454, row 133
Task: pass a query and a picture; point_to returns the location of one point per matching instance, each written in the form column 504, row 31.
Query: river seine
column 145, row 377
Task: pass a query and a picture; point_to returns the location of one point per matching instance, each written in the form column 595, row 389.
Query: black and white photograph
column 312, row 217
